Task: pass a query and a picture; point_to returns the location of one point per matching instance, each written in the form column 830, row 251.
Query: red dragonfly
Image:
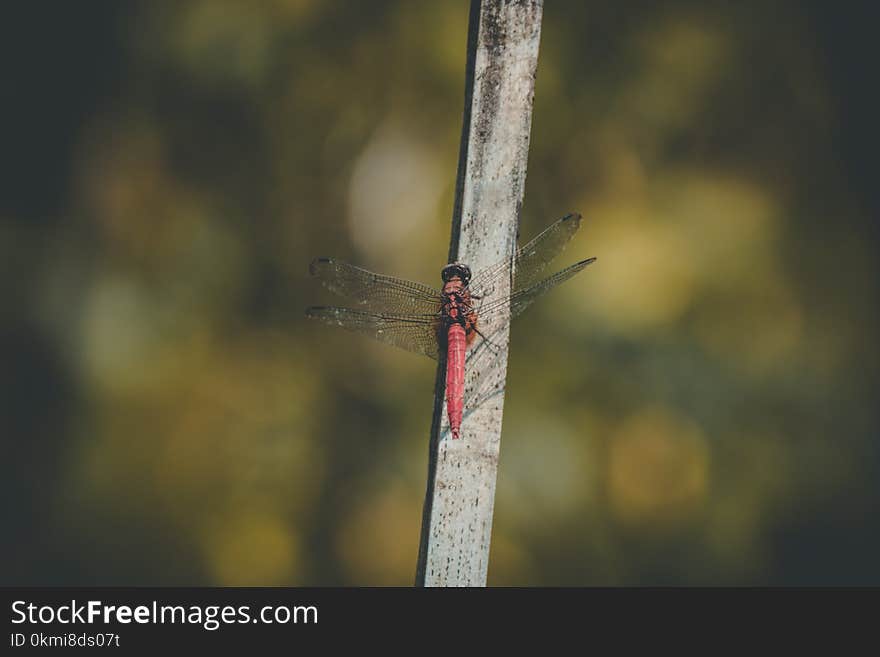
column 431, row 322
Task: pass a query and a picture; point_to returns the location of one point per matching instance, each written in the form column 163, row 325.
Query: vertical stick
column 502, row 58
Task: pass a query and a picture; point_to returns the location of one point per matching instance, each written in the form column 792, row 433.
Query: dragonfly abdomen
column 456, row 341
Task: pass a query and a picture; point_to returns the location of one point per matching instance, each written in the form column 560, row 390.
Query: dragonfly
column 453, row 319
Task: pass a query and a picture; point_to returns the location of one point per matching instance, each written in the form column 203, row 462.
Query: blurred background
column 696, row 408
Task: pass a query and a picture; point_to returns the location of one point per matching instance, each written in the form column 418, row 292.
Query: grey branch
column 503, row 44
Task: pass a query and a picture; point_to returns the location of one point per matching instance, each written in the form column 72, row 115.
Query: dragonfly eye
column 456, row 269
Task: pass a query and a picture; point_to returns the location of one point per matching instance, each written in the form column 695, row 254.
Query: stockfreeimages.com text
column 211, row 617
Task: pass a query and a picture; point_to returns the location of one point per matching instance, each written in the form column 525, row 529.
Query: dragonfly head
column 456, row 269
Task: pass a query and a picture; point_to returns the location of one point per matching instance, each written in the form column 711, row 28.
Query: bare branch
column 503, row 44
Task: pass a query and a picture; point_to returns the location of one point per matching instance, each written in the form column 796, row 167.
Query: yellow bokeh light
column 658, row 469
column 395, row 187
column 378, row 543
column 644, row 278
column 251, row 548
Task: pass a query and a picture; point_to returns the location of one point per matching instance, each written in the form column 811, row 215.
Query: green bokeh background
column 696, row 408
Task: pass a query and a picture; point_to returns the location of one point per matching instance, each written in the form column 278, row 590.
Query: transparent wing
column 530, row 260
column 523, row 298
column 411, row 332
column 382, row 294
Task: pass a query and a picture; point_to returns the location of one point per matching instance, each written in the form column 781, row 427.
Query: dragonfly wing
column 530, row 260
column 413, row 333
column 533, row 258
column 523, row 298
column 382, row 294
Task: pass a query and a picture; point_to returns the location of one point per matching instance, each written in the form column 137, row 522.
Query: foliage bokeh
column 696, row 408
